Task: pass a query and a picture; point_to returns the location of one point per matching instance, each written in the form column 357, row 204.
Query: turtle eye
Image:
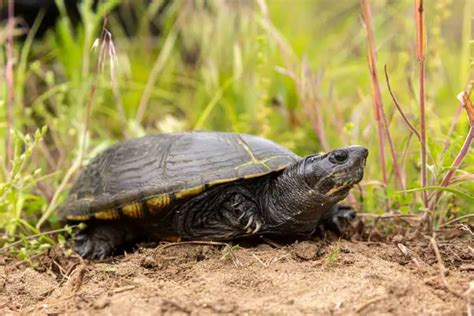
column 339, row 157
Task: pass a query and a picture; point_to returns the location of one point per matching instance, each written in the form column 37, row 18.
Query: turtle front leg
column 248, row 220
column 100, row 240
column 338, row 218
column 219, row 215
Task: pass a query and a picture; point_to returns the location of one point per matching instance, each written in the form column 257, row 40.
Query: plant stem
column 398, row 106
column 421, row 43
column 423, row 132
column 459, row 158
column 373, row 75
column 9, row 78
column 457, row 161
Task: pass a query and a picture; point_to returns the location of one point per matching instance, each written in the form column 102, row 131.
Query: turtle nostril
column 365, row 152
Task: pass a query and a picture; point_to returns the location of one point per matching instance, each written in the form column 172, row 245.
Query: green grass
column 219, row 65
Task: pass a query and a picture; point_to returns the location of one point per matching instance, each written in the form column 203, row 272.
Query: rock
column 149, row 262
column 306, row 250
column 101, row 303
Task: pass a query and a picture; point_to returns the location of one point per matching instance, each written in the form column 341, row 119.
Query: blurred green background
column 285, row 70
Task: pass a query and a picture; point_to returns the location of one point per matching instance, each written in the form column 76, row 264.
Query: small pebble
column 149, row 263
column 306, row 250
column 101, row 303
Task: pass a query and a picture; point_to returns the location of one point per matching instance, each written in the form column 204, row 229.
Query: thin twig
column 399, row 108
column 372, row 301
column 77, row 282
column 124, row 289
column 409, row 254
column 457, row 219
column 385, row 216
column 260, row 261
column 191, row 242
column 442, row 268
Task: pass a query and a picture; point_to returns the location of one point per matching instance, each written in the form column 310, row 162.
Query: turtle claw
column 253, row 225
column 249, row 223
column 258, row 225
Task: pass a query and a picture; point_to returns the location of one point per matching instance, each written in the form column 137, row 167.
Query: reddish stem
column 420, row 43
column 467, row 104
column 423, row 132
column 459, row 158
column 373, row 76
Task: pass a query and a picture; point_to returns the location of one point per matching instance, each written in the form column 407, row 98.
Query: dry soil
column 396, row 277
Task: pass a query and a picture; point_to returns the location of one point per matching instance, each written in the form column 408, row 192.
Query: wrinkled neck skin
column 291, row 205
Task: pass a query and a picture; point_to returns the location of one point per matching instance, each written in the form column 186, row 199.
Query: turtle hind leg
column 100, row 240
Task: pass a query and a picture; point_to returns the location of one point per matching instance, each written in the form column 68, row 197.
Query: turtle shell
column 142, row 176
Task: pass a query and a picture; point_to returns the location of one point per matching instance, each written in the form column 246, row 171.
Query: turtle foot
column 338, row 219
column 100, row 241
column 90, row 246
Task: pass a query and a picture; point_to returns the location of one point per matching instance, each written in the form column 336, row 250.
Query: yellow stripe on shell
column 189, row 192
column 111, row 214
column 133, row 209
column 159, row 202
column 80, row 218
column 222, row 181
column 256, row 175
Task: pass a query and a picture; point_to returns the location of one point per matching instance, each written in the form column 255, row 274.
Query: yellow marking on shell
column 80, row 218
column 251, row 176
column 189, row 192
column 158, row 202
column 133, row 209
column 253, row 159
column 248, row 150
column 221, row 181
column 107, row 215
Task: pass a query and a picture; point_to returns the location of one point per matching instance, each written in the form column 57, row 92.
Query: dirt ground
column 396, row 277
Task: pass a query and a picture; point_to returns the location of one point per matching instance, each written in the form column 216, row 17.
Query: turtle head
column 333, row 174
column 304, row 192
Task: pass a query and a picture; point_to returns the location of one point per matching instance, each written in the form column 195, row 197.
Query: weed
column 228, row 252
column 334, row 252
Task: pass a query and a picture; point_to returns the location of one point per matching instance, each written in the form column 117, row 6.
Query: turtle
column 213, row 186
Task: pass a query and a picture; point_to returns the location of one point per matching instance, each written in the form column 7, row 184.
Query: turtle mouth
column 346, row 181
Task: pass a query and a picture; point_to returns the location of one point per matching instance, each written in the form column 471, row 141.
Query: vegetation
column 300, row 77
